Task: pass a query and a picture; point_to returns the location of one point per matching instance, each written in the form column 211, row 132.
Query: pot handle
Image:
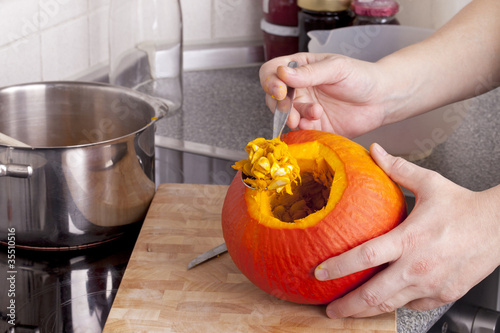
column 161, row 108
column 16, row 170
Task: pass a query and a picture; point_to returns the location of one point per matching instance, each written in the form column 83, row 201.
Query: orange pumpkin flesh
column 357, row 201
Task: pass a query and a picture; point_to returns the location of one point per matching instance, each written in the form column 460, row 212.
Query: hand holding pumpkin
column 448, row 244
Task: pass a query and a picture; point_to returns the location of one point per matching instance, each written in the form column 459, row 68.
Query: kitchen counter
column 212, row 297
column 224, row 109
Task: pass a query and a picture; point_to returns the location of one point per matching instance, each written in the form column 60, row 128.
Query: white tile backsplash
column 96, row 4
column 429, row 13
column 18, row 19
column 21, row 61
column 98, row 34
column 58, row 39
column 197, row 23
column 65, row 49
column 237, row 19
column 54, row 12
column 444, row 10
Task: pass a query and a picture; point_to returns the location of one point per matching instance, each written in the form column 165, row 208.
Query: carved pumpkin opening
column 309, row 196
column 322, row 183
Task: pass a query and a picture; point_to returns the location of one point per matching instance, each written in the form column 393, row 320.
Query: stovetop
column 61, row 291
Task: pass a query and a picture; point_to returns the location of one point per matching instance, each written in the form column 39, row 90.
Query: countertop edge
column 198, row 148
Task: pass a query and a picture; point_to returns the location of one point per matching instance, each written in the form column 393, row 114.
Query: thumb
column 398, row 169
column 318, row 69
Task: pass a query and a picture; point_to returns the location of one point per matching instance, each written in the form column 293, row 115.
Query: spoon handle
column 283, row 107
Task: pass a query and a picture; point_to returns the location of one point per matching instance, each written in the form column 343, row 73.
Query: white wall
column 63, row 39
column 428, row 13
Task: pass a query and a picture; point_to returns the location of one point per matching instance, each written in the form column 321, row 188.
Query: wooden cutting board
column 159, row 294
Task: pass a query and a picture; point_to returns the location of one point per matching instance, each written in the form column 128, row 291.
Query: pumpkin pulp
column 322, row 184
column 269, row 166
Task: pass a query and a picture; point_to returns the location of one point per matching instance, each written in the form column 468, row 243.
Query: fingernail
column 331, row 314
column 378, row 148
column 279, row 92
column 321, row 274
column 290, row 70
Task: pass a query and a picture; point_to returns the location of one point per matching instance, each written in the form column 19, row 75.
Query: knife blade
column 207, row 255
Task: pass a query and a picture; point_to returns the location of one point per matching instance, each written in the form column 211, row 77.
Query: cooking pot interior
column 61, row 114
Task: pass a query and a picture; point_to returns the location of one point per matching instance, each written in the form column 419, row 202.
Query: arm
column 459, row 61
column 351, row 97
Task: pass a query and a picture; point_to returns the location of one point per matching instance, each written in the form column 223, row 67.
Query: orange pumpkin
column 349, row 201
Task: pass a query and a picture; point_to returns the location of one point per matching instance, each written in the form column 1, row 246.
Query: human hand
column 333, row 93
column 447, row 244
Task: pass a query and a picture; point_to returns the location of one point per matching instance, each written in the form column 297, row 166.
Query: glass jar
column 375, row 12
column 279, row 28
column 322, row 15
column 145, row 46
column 279, row 40
column 280, row 12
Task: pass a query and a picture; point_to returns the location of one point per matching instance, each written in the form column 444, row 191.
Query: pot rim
column 159, row 106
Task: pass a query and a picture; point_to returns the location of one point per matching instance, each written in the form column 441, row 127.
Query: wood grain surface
column 159, row 294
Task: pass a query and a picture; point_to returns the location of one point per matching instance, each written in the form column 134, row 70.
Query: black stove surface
column 61, row 291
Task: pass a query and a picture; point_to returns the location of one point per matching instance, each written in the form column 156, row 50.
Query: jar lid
column 324, row 5
column 279, row 30
column 375, row 7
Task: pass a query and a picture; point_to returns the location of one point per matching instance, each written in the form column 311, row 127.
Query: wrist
column 490, row 219
column 396, row 91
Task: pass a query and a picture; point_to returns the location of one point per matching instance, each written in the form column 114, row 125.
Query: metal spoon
column 281, row 112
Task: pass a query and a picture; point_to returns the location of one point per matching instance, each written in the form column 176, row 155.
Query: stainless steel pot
column 89, row 174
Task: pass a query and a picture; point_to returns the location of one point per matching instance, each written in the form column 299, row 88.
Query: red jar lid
column 375, row 7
